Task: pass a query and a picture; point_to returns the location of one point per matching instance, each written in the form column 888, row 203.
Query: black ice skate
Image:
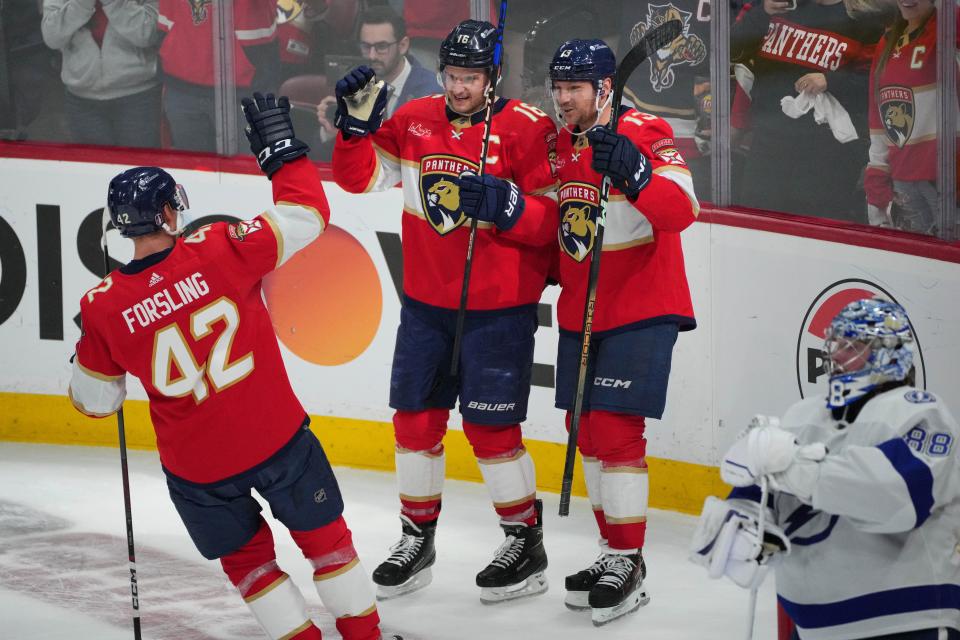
column 517, row 569
column 408, row 567
column 579, row 584
column 619, row 589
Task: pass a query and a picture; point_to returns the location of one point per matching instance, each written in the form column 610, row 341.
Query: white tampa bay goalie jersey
column 878, row 550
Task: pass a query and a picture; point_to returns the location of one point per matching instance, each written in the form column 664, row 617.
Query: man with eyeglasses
column 384, row 42
column 432, row 146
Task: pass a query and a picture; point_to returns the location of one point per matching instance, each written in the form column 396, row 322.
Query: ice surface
column 63, row 569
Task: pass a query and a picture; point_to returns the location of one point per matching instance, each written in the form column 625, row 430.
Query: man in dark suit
column 384, row 42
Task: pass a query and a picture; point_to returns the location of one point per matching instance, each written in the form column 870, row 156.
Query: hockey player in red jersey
column 432, row 146
column 642, row 302
column 186, row 317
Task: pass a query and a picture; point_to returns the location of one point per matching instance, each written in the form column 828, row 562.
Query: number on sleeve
column 916, row 438
column 530, row 111
column 940, row 444
column 931, row 444
column 199, row 235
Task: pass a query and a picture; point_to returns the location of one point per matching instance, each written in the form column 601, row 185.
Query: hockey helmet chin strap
column 179, row 203
column 597, row 105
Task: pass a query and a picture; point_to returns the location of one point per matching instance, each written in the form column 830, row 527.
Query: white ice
column 63, row 569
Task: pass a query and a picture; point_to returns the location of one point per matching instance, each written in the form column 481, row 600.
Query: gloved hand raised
column 616, row 156
column 491, row 199
column 270, row 132
column 361, row 103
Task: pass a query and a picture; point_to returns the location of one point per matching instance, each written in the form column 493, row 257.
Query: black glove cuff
column 273, row 157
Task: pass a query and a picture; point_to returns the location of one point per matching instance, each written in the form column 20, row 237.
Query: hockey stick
column 488, row 122
column 134, row 595
column 656, row 39
column 761, row 523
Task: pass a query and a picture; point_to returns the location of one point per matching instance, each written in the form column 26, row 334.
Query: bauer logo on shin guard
column 491, row 406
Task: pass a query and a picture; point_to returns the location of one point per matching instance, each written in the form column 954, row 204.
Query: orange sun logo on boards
column 326, row 302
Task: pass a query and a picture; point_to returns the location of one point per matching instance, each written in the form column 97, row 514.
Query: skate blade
column 577, row 600
column 417, row 582
column 534, row 585
column 633, row 602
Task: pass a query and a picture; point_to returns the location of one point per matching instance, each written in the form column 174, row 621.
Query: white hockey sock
column 512, row 482
column 346, row 591
column 420, row 479
column 280, row 609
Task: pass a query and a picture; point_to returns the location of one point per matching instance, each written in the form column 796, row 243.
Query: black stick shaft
column 488, row 122
column 125, row 473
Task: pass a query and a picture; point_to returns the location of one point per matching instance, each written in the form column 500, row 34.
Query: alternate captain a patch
column 440, row 190
column 896, row 109
column 579, row 206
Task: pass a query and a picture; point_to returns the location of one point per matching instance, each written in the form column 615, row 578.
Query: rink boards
column 762, row 289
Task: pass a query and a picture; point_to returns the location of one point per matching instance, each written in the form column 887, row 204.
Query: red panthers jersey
column 187, row 49
column 642, row 275
column 425, row 146
column 193, row 328
column 903, row 115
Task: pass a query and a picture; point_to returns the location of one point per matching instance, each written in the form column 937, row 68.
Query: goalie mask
column 582, row 61
column 867, row 344
column 136, row 197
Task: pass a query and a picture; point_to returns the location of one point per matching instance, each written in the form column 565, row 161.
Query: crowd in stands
column 835, row 110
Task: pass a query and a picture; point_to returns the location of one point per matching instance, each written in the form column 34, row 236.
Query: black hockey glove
column 490, row 199
column 361, row 103
column 616, row 156
column 270, row 132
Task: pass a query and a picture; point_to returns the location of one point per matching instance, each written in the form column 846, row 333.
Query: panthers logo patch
column 199, row 10
column 244, row 228
column 687, row 48
column 440, row 190
column 579, row 205
column 288, row 10
column 896, row 110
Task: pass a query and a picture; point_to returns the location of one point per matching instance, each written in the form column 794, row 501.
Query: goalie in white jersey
column 863, row 517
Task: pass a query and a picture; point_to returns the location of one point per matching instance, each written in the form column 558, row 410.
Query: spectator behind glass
column 816, row 55
column 309, row 30
column 187, row 58
column 901, row 177
column 384, row 42
column 676, row 84
column 30, row 83
column 109, row 69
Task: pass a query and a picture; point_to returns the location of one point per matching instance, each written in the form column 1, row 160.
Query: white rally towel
column 826, row 108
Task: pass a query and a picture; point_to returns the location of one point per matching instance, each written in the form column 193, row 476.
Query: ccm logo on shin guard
column 490, row 406
column 612, row 382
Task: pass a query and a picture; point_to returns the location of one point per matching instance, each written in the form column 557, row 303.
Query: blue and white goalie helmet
column 867, row 344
